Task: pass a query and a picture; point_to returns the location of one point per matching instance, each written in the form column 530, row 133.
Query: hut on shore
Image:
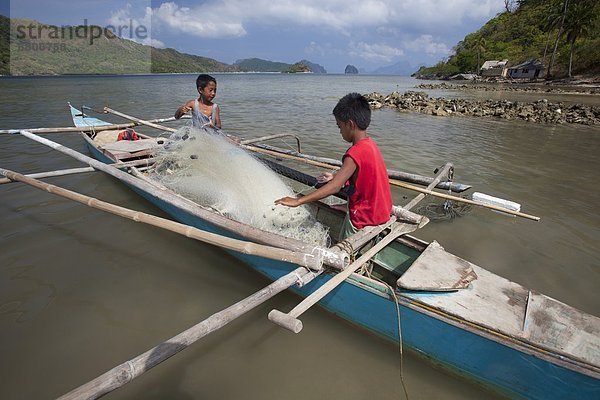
column 493, row 68
column 530, row 69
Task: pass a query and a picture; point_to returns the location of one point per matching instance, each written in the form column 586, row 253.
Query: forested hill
column 4, row 45
column 532, row 29
column 49, row 50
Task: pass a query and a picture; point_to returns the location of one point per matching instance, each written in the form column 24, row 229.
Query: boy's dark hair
column 355, row 107
column 203, row 79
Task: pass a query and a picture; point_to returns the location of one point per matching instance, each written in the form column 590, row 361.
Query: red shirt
column 371, row 202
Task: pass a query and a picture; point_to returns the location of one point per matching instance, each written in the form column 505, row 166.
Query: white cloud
column 425, row 43
column 374, row 52
column 123, row 24
column 326, row 49
column 211, row 20
column 229, row 18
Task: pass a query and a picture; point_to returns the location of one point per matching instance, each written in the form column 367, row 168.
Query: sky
column 368, row 34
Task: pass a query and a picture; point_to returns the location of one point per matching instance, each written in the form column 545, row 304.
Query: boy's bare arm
column 218, row 117
column 332, row 187
column 187, row 107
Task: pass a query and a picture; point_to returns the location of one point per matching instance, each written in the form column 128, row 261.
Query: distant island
column 351, row 69
column 260, row 65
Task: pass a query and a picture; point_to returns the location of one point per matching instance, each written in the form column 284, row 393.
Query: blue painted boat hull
column 496, row 362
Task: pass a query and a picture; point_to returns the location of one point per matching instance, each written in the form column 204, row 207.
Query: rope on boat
column 347, row 247
column 446, row 211
column 367, row 273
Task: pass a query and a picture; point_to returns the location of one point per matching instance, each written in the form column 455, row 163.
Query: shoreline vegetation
column 540, row 111
column 562, row 36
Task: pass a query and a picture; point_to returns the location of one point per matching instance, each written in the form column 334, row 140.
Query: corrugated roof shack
column 530, row 69
column 493, row 68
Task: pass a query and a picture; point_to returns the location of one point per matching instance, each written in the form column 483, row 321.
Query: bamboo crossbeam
column 129, row 370
column 72, row 171
column 330, row 257
column 271, row 137
column 307, row 260
column 139, row 121
column 290, row 320
column 466, row 201
column 91, row 128
column 445, row 171
column 401, row 184
column 60, row 172
column 403, row 176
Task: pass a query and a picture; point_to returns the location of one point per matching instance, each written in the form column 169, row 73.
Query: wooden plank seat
column 437, row 270
column 126, row 149
column 132, row 146
column 555, row 325
column 496, row 303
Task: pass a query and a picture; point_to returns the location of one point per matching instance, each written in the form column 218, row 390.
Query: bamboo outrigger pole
column 72, row 171
column 91, row 128
column 307, row 260
column 392, row 174
column 129, row 370
column 393, row 182
column 331, row 257
column 290, row 320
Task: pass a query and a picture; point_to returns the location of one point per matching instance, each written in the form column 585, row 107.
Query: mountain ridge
column 35, row 48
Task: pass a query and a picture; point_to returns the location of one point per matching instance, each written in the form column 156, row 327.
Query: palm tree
column 581, row 16
column 480, row 48
column 552, row 21
column 558, row 36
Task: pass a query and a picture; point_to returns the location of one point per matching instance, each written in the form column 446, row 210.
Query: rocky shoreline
column 541, row 111
column 511, row 88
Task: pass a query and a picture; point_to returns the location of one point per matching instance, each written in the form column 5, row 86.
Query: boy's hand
column 288, row 201
column 325, row 177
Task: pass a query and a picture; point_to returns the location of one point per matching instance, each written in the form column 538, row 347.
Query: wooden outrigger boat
column 479, row 325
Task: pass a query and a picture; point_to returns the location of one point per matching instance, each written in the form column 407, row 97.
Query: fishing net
column 215, row 173
column 446, row 211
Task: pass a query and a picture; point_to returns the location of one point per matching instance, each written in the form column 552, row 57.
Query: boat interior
column 388, row 269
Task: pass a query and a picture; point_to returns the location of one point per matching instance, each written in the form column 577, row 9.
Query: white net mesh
column 214, row 172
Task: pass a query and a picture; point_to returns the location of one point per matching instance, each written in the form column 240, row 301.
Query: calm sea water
column 82, row 291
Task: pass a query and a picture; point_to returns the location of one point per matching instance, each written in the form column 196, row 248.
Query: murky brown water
column 82, row 291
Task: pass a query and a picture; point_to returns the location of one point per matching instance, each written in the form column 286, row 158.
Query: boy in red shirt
column 363, row 169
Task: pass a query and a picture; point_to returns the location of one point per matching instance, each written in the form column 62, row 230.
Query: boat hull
column 496, row 362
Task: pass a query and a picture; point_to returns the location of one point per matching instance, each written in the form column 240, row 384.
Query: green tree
column 480, row 49
column 558, row 36
column 578, row 23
